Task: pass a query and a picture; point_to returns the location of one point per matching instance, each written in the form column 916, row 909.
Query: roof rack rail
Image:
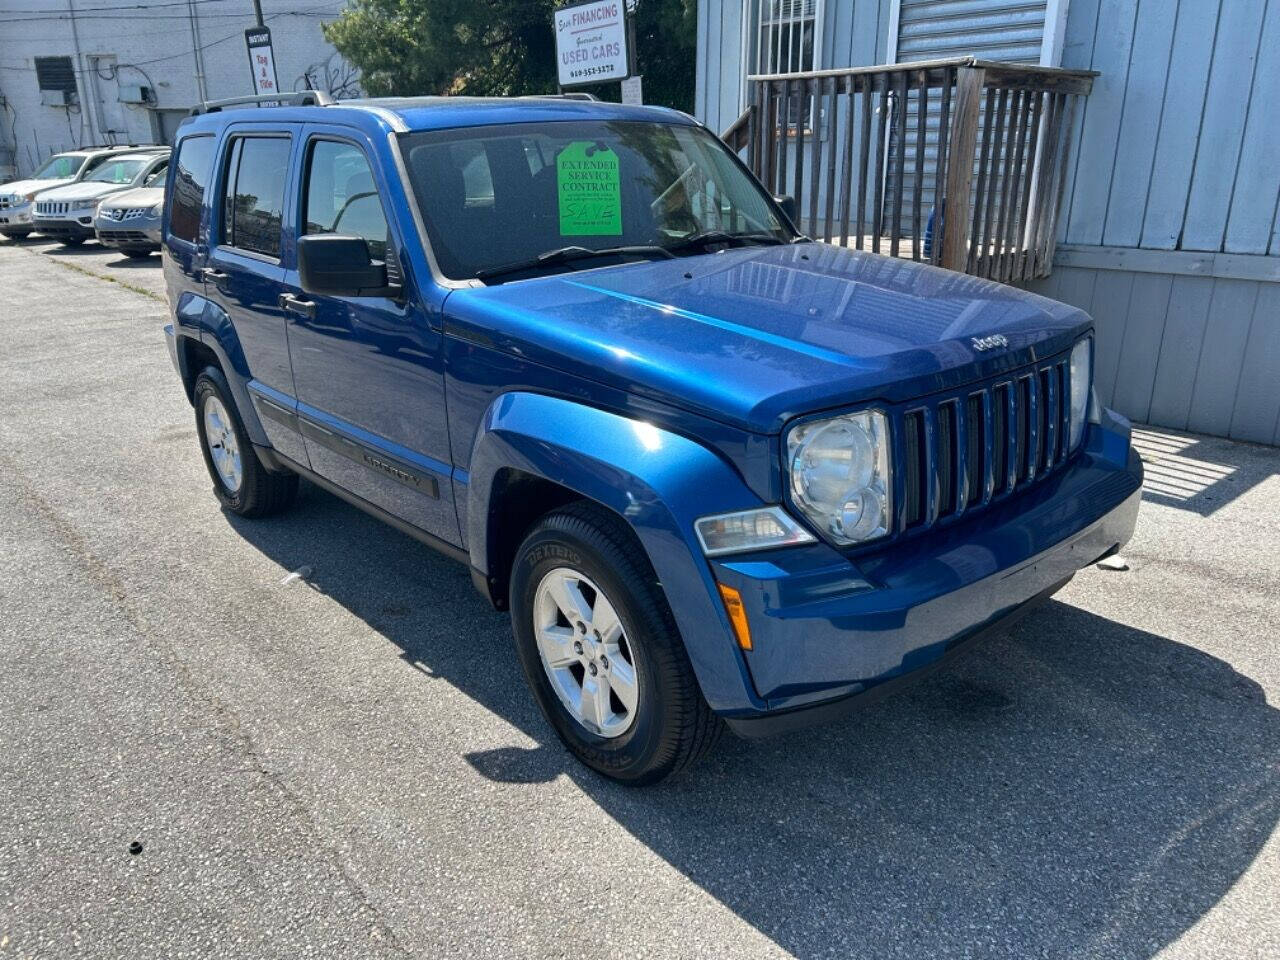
column 298, row 98
column 570, row 95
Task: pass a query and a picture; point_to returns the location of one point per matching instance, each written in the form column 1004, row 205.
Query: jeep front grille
column 967, row 449
column 51, row 208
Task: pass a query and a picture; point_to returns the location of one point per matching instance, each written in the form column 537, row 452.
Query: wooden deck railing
column 876, row 157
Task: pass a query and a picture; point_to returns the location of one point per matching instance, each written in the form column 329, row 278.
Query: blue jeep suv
column 720, row 475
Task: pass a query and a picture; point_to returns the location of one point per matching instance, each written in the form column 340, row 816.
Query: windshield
column 59, row 168
column 501, row 195
column 117, row 171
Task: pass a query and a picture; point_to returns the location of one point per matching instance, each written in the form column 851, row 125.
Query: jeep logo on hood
column 990, row 342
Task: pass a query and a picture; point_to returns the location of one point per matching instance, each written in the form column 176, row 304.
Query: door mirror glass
column 334, row 265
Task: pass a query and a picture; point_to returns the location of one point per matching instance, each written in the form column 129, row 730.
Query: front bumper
column 828, row 630
column 16, row 217
column 71, row 227
column 133, row 233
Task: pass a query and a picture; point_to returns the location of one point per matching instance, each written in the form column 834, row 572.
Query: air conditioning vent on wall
column 58, row 98
column 135, row 93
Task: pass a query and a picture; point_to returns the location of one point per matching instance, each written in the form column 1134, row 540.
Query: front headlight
column 840, row 475
column 85, row 205
column 1081, row 374
column 157, row 209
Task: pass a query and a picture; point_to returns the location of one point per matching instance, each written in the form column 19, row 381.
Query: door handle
column 292, row 304
column 211, row 274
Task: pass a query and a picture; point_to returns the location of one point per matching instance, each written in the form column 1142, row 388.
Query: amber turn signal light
column 737, row 615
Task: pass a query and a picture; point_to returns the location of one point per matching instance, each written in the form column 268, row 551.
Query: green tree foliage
column 501, row 47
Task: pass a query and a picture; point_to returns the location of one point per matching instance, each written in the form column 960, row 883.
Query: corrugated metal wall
column 933, row 29
column 990, row 29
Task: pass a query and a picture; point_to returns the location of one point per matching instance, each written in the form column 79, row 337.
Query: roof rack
column 570, row 95
column 298, row 98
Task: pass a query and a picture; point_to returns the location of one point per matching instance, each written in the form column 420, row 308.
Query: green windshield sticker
column 590, row 191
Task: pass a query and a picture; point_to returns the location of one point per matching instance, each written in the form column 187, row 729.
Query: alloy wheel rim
column 224, row 448
column 585, row 653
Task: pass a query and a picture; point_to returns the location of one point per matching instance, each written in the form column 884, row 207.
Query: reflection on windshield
column 117, row 171
column 492, row 197
column 58, row 168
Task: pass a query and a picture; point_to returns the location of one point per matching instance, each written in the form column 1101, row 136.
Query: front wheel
column 138, row 254
column 71, row 241
column 240, row 482
column 601, row 652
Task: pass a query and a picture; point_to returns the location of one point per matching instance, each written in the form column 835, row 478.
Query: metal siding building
column 1168, row 227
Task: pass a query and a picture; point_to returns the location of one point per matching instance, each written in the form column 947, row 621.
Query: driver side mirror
column 332, row 265
column 788, row 205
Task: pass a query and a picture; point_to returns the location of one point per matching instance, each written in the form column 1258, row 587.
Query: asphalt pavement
column 203, row 757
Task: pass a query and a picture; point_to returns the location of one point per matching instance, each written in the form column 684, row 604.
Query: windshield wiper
column 711, row 238
column 569, row 254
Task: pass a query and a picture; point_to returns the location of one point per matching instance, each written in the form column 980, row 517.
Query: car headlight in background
column 840, row 475
column 84, row 205
column 156, row 209
column 1081, row 374
column 746, row 530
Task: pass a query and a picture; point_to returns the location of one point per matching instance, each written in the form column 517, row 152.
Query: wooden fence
column 875, row 156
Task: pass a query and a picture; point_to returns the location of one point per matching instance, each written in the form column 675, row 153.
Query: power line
column 183, row 53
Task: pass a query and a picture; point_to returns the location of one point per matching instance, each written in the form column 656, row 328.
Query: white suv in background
column 59, row 170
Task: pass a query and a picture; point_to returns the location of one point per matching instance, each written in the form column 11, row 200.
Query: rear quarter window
column 253, row 197
column 191, row 180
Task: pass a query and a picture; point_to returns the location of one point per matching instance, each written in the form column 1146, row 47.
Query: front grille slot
column 946, row 462
column 975, row 429
column 914, row 468
column 1023, row 413
column 1000, row 437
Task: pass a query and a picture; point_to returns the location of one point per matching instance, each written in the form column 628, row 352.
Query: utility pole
column 257, row 11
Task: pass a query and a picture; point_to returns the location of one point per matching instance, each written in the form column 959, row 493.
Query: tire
column 670, row 726
column 138, row 254
column 16, row 234
column 71, row 241
column 251, row 490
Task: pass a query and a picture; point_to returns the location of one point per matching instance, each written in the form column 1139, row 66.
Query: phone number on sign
column 584, row 72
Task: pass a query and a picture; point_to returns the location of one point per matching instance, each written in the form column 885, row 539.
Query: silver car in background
column 66, row 213
column 130, row 221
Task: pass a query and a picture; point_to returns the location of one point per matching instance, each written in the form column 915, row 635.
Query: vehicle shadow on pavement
column 1076, row 787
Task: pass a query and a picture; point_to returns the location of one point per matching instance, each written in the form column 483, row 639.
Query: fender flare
column 657, row 481
column 213, row 328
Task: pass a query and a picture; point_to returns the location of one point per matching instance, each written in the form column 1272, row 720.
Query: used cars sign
column 591, row 43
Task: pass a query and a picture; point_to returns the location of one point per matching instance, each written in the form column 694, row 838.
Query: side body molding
column 658, row 482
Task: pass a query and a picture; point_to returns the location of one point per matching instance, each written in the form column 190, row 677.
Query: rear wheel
column 240, row 482
column 601, row 652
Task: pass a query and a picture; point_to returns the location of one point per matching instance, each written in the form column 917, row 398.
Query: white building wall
column 184, row 52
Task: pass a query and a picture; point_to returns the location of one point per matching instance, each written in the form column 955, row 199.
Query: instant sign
column 591, row 43
column 590, row 190
column 261, row 60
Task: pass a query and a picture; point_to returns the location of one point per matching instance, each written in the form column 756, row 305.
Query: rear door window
column 253, row 194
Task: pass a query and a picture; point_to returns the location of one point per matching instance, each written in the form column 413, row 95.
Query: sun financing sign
column 591, row 43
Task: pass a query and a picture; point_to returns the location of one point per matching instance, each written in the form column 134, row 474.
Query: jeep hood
column 84, row 190
column 23, row 187
column 755, row 336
